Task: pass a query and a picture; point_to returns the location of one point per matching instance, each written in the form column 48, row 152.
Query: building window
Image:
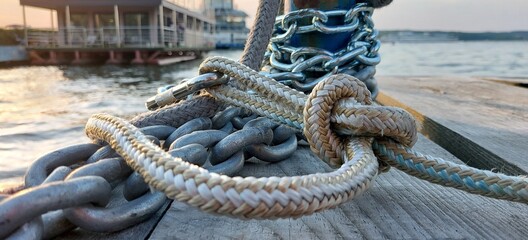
column 136, row 19
column 104, row 20
column 137, row 31
column 190, row 22
column 79, row 20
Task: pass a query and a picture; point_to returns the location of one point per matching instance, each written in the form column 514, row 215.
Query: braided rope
column 350, row 116
column 253, row 80
column 347, row 116
column 268, row 93
column 273, row 197
column 439, row 171
column 321, row 137
column 261, row 32
column 249, row 197
column 338, row 105
column 258, row 105
column 178, row 114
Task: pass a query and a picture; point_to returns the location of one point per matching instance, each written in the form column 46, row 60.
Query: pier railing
column 109, row 37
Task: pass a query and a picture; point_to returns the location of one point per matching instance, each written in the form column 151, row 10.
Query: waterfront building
column 121, row 31
column 231, row 30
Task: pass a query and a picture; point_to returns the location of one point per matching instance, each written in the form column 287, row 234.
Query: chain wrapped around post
column 302, row 67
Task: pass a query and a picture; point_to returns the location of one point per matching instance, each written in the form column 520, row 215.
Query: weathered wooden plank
column 484, row 123
column 397, row 207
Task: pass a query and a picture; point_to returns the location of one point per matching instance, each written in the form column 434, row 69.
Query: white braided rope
column 358, row 121
column 281, row 112
column 253, row 80
column 243, row 197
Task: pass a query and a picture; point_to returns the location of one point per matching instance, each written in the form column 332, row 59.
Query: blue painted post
column 330, row 42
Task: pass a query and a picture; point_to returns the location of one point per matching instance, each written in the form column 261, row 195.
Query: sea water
column 45, row 108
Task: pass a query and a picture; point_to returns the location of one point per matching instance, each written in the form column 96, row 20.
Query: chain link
column 80, row 186
column 84, row 185
column 303, row 67
column 221, row 144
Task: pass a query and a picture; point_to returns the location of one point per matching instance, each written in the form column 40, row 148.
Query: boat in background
column 230, row 31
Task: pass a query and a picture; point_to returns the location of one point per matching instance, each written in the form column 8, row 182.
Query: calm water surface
column 45, row 108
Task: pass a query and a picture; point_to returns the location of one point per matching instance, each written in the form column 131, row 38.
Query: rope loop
column 340, row 106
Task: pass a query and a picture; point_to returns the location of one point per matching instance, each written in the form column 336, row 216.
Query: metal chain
column 65, row 197
column 303, row 67
column 90, row 195
column 221, row 144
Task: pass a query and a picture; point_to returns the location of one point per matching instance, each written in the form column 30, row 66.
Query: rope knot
column 341, row 106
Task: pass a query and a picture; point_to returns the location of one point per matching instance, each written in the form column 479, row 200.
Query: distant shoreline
column 427, row 36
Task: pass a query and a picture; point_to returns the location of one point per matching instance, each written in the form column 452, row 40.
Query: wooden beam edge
column 518, row 82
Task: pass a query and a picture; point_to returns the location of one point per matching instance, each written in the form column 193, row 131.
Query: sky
column 444, row 15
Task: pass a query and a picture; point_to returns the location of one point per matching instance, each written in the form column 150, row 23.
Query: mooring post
column 343, row 29
column 331, row 42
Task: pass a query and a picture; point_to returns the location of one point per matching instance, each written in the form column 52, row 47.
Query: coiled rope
column 339, row 121
column 339, row 105
column 350, row 117
column 243, row 197
column 339, row 100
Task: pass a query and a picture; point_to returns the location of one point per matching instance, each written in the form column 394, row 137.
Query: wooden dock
column 480, row 122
